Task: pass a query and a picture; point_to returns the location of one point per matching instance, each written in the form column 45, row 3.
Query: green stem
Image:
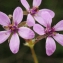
column 34, row 55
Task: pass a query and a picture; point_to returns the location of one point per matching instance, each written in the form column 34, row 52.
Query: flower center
column 33, row 11
column 13, row 28
column 50, row 31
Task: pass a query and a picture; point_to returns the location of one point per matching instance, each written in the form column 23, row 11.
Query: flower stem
column 38, row 38
column 34, row 55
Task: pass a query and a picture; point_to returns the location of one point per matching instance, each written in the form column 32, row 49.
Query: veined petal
column 4, row 36
column 50, row 46
column 46, row 17
column 25, row 4
column 36, row 3
column 39, row 19
column 59, row 26
column 30, row 20
column 59, row 38
column 52, row 14
column 4, row 19
column 26, row 33
column 17, row 15
column 14, row 43
column 38, row 29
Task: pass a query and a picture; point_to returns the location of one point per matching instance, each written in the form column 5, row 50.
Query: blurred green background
column 24, row 54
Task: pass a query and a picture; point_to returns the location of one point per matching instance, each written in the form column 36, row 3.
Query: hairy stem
column 34, row 55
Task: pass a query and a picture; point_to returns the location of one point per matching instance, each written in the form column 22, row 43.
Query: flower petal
column 59, row 26
column 59, row 38
column 50, row 46
column 26, row 33
column 52, row 14
column 17, row 15
column 4, row 19
column 30, row 20
column 39, row 19
column 46, row 17
column 38, row 29
column 4, row 36
column 25, row 4
column 14, row 43
column 36, row 3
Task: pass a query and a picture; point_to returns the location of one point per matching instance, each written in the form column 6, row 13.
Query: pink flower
column 35, row 13
column 12, row 28
column 51, row 35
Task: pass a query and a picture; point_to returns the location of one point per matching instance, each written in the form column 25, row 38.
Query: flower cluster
column 42, row 27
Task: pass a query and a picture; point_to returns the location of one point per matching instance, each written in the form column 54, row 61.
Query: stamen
column 13, row 28
column 33, row 11
column 50, row 31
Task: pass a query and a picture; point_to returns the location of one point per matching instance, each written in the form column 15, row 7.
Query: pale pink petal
column 30, row 20
column 26, row 33
column 25, row 4
column 17, row 15
column 36, row 3
column 4, row 36
column 59, row 26
column 38, row 29
column 14, row 43
column 59, row 38
column 50, row 46
column 46, row 17
column 4, row 19
column 52, row 14
column 39, row 19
